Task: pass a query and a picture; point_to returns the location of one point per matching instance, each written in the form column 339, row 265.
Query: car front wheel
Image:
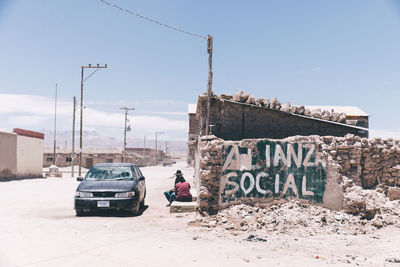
column 79, row 213
column 142, row 204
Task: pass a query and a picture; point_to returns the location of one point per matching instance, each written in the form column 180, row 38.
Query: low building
column 21, row 154
column 92, row 156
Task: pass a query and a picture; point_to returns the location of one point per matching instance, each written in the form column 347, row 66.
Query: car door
column 141, row 182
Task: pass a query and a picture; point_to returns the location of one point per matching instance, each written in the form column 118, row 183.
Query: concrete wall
column 237, row 121
column 29, row 156
column 8, row 155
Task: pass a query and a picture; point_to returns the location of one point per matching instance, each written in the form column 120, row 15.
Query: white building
column 21, row 154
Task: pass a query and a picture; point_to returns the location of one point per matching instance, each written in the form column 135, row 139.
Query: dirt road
column 38, row 227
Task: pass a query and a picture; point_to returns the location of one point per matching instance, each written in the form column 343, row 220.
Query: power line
column 153, row 21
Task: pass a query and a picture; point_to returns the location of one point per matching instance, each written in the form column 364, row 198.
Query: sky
column 307, row 52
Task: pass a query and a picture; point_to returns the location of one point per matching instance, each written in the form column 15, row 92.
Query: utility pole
column 210, row 79
column 55, row 126
column 73, row 136
column 144, row 146
column 126, row 120
column 157, row 133
column 81, row 109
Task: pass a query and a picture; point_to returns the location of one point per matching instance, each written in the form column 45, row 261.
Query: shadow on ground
column 114, row 213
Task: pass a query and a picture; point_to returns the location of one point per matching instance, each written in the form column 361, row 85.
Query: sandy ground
column 38, row 227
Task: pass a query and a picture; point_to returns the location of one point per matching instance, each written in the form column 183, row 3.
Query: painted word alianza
column 273, row 170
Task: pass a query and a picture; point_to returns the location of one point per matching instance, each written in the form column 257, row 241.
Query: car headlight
column 125, row 194
column 83, row 194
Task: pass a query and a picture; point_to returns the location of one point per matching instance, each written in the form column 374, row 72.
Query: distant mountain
column 94, row 139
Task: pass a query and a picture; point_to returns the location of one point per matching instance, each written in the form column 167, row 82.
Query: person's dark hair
column 181, row 179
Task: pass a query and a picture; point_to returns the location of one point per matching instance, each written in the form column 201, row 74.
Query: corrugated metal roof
column 192, row 108
column 348, row 110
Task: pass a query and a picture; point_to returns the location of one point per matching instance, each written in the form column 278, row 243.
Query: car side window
column 134, row 173
column 139, row 172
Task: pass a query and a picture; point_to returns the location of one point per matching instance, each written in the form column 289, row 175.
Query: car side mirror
column 141, row 178
column 79, row 179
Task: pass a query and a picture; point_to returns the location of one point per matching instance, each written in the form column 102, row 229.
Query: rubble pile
column 301, row 218
column 274, row 103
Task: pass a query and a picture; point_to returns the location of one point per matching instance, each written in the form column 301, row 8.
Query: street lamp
column 157, row 133
column 125, row 130
column 81, row 108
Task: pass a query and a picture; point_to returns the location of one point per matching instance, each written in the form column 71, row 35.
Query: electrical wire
column 153, row 21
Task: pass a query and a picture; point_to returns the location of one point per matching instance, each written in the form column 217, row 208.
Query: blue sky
column 306, row 52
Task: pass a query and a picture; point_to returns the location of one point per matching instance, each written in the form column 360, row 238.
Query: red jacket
column 182, row 190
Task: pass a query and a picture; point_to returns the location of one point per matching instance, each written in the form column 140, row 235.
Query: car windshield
column 109, row 173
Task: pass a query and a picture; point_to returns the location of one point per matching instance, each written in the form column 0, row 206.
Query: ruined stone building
column 235, row 120
column 241, row 116
column 261, row 152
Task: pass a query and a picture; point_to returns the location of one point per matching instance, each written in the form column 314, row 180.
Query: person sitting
column 179, row 176
column 170, row 194
column 182, row 191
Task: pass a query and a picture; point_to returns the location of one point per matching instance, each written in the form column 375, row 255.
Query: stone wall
column 237, row 121
column 368, row 162
column 311, row 168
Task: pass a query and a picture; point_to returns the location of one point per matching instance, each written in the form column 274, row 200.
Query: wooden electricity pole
column 55, row 126
column 144, row 147
column 73, row 136
column 157, row 133
column 210, row 79
column 126, row 120
column 81, row 109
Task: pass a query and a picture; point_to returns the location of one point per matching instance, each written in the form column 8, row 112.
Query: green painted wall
column 272, row 170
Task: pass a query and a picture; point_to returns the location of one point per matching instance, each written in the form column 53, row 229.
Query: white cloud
column 140, row 123
column 37, row 112
column 28, row 120
column 31, row 104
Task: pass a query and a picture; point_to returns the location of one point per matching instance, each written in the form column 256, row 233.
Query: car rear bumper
column 91, row 204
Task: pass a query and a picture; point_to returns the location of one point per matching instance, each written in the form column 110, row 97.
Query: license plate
column 103, row 204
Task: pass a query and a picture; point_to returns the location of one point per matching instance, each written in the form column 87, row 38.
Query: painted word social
column 272, row 169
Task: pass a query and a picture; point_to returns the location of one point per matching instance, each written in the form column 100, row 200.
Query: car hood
column 106, row 186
